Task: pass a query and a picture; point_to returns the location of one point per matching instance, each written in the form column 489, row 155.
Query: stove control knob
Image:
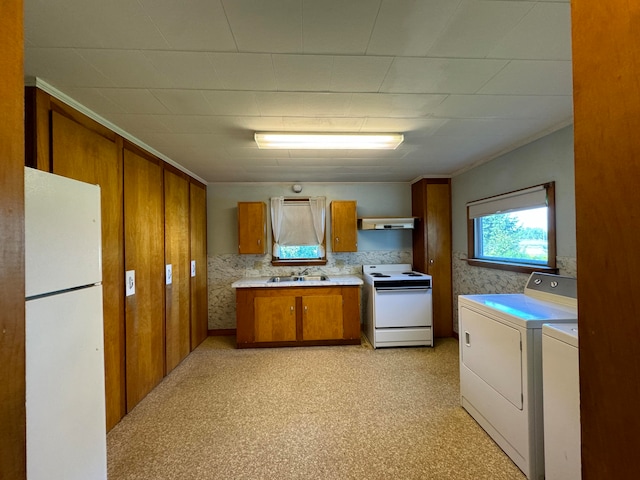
column 537, row 281
column 554, row 284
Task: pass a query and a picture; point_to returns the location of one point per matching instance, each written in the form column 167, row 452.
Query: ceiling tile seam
column 226, row 17
column 92, row 66
column 515, row 27
column 154, row 24
column 373, row 27
column 506, row 64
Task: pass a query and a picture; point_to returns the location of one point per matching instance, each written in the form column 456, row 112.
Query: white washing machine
column 561, row 400
column 501, row 362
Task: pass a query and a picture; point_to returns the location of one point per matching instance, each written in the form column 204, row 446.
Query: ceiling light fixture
column 309, row 141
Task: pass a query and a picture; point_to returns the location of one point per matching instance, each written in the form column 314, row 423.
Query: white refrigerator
column 65, row 393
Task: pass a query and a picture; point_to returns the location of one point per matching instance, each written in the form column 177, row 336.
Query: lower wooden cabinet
column 297, row 316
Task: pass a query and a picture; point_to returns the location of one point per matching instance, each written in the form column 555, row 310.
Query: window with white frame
column 514, row 231
column 298, row 227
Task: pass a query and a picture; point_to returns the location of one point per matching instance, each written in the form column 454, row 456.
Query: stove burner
column 412, row 274
column 379, row 275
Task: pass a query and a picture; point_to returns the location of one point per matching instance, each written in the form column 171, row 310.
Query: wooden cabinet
column 344, row 226
column 289, row 316
column 198, row 237
column 177, row 258
column 322, row 317
column 432, row 251
column 144, row 255
column 84, row 150
column 132, row 181
column 252, row 228
column 275, row 319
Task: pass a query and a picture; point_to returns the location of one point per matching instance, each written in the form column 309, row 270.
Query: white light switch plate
column 130, row 282
column 168, row 275
column 193, row 268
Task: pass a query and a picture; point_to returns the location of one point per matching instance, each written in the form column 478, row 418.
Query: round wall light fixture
column 297, row 188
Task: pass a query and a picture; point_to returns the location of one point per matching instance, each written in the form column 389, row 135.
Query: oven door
column 396, row 307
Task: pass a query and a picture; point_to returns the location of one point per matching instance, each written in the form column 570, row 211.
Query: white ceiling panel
column 463, row 80
column 476, row 27
column 409, row 27
column 359, row 74
column 197, row 25
column 172, row 65
column 135, row 101
column 338, row 26
column 544, row 33
column 116, row 24
column 532, row 77
column 125, row 68
column 554, row 108
column 393, row 105
column 63, row 67
column 260, row 26
column 244, row 71
column 439, row 75
column 231, row 103
column 303, row 73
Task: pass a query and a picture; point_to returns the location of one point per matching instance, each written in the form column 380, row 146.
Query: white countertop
column 259, row 282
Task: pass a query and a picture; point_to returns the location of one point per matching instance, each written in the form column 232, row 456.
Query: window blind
column 527, row 198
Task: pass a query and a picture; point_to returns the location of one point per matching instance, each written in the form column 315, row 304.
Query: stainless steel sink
column 298, row 278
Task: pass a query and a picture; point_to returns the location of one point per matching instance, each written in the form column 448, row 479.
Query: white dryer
column 560, row 378
column 501, row 362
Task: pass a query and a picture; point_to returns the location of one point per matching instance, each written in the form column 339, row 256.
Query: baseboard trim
column 221, row 332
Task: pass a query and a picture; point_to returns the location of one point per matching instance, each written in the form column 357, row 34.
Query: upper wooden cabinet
column 431, row 203
column 344, row 226
column 252, row 228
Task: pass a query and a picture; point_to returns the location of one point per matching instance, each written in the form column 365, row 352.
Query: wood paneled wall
column 199, row 293
column 143, row 341
column 12, row 306
column 606, row 62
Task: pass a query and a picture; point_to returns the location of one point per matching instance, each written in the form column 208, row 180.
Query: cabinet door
column 431, row 202
column 177, row 293
column 275, row 319
column 322, row 317
column 344, row 220
column 144, row 248
column 252, row 228
column 198, row 231
column 83, row 154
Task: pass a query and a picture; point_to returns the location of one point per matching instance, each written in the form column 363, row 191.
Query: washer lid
column 565, row 332
column 520, row 309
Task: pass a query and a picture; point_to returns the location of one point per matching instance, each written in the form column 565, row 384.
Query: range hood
column 386, row 223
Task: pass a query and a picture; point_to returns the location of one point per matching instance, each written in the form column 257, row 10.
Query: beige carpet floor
column 307, row 413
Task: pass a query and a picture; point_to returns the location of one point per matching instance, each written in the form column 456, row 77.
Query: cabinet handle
column 305, row 309
column 467, row 339
column 431, row 261
column 259, row 241
column 291, row 308
column 337, row 239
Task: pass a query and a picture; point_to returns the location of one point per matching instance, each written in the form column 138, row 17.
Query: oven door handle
column 404, row 289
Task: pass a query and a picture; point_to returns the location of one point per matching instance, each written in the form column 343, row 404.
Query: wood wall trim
column 12, row 303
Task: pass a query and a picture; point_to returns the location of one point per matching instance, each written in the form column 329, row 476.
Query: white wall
column 547, row 159
column 381, row 199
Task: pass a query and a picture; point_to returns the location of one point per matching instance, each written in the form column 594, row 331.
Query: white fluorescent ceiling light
column 314, row 141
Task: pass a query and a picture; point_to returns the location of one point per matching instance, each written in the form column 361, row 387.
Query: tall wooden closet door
column 199, row 293
column 144, row 255
column 93, row 156
column 177, row 289
column 439, row 254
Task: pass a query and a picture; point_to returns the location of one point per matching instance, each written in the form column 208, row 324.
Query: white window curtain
column 297, row 222
column 277, row 214
column 318, row 214
column 509, row 202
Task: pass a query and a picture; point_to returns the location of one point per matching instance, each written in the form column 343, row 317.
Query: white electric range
column 399, row 306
